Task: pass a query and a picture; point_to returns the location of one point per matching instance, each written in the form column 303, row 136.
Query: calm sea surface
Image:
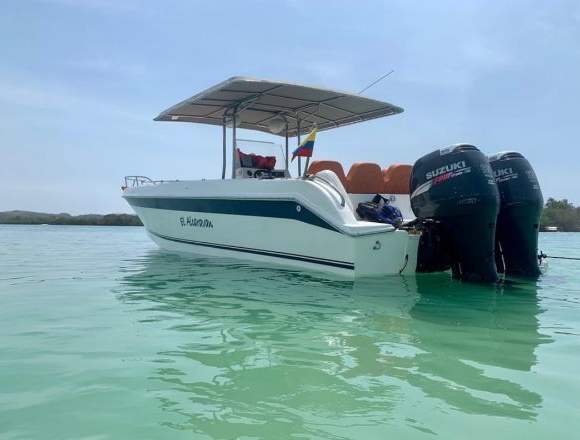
column 102, row 336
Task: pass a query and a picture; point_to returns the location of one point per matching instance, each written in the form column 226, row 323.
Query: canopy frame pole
column 298, row 139
column 224, row 152
column 234, row 144
column 286, row 152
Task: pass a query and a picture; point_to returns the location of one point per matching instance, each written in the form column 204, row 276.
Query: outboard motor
column 521, row 205
column 454, row 196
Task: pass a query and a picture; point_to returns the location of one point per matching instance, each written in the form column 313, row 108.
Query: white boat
column 262, row 213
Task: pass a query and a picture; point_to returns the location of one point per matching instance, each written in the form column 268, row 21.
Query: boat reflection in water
column 264, row 352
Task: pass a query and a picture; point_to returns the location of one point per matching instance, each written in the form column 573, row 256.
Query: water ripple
column 132, row 342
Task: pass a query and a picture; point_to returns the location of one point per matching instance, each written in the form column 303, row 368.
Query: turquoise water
column 102, row 336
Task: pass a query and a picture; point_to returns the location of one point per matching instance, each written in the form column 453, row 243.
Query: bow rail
column 139, row 181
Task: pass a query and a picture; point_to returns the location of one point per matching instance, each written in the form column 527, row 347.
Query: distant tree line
column 40, row 218
column 561, row 213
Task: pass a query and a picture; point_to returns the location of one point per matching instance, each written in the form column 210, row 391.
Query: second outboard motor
column 519, row 215
column 453, row 193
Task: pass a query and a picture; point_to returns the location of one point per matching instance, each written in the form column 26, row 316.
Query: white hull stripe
column 288, row 256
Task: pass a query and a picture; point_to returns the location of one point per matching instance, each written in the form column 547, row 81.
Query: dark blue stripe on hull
column 285, row 209
column 288, row 256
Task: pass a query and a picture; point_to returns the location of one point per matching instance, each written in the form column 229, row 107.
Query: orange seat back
column 397, row 179
column 364, row 178
column 331, row 165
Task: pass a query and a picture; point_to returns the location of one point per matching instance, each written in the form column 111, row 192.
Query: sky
column 82, row 80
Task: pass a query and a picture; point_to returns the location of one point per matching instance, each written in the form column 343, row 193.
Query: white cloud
column 55, row 97
column 108, row 67
column 19, row 95
column 329, row 72
column 100, row 5
column 482, row 53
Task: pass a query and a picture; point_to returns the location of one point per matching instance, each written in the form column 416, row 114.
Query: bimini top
column 269, row 105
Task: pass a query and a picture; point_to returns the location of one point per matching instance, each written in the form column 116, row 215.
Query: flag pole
column 308, row 158
column 298, row 138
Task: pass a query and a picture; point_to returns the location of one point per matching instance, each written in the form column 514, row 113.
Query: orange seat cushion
column 397, row 179
column 331, row 165
column 364, row 178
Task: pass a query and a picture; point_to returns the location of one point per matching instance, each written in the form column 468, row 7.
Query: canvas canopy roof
column 264, row 104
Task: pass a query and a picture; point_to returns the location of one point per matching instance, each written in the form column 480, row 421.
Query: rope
column 405, row 265
column 563, row 258
column 543, row 255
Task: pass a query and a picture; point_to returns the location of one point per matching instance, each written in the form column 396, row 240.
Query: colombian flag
column 306, row 147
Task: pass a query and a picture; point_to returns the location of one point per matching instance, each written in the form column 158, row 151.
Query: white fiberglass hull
column 293, row 222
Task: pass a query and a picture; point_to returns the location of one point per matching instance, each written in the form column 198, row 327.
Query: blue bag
column 375, row 212
column 390, row 214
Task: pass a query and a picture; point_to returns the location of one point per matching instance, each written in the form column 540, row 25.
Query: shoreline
column 65, row 219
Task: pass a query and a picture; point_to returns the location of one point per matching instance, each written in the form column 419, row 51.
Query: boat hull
column 301, row 227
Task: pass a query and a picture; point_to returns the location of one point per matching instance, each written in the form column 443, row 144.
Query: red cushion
column 256, row 161
column 270, row 162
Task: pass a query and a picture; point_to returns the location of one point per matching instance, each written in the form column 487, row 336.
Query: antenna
column 375, row 82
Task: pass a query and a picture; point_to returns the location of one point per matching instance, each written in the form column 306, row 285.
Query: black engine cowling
column 453, row 193
column 521, row 205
